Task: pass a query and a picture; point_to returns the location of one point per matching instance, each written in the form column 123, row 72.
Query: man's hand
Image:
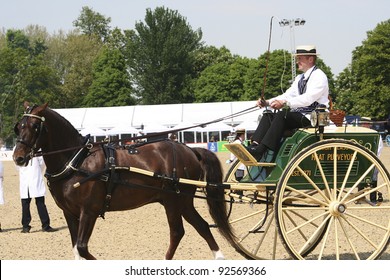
column 262, row 103
column 277, row 104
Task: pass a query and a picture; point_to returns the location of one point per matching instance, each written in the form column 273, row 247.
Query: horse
column 87, row 179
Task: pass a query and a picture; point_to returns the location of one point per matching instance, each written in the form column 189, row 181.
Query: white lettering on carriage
column 218, row 255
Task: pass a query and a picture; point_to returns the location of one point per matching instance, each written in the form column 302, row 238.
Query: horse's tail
column 215, row 196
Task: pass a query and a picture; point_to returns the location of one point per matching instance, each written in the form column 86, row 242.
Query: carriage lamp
column 319, row 118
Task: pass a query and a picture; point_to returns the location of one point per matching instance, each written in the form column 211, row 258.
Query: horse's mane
column 64, row 123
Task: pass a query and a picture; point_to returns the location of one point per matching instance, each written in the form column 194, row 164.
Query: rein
column 92, row 144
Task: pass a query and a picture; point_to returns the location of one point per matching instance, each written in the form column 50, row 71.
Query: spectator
column 240, row 138
column 32, row 186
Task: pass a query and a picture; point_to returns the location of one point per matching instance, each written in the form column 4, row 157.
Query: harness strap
column 73, row 164
column 174, row 169
column 109, row 151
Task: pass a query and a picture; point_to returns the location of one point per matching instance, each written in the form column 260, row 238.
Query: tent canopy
column 157, row 118
column 93, row 131
column 122, row 129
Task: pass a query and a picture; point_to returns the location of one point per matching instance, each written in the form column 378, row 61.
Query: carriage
column 323, row 195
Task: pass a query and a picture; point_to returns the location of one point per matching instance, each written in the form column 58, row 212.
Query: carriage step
column 244, row 156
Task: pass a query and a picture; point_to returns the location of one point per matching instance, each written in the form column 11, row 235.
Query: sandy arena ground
column 137, row 234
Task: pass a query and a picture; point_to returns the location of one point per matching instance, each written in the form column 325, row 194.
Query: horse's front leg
column 73, row 226
column 176, row 228
column 86, row 225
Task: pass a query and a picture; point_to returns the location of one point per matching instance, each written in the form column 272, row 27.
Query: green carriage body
column 302, row 139
column 322, row 196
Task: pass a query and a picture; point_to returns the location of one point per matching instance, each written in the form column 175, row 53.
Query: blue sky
column 336, row 27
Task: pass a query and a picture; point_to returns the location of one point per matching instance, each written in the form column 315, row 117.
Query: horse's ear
column 42, row 107
column 26, row 104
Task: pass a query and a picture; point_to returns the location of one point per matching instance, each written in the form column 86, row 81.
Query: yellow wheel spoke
column 247, row 216
column 357, row 182
column 360, row 232
column 315, row 234
column 307, row 222
column 314, row 185
column 322, row 174
column 348, row 238
column 347, row 174
column 325, row 238
column 309, row 197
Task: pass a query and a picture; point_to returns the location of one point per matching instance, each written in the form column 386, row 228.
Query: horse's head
column 29, row 131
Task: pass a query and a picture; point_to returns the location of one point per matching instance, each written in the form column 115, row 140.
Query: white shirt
column 233, row 157
column 31, row 179
column 317, row 89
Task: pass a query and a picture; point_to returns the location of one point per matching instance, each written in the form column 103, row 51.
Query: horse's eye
column 35, row 126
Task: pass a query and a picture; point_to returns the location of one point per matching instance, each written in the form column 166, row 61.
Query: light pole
column 291, row 23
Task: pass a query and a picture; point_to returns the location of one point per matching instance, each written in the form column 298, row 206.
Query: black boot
column 257, row 150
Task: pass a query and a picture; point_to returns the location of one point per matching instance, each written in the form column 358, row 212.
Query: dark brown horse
column 87, row 179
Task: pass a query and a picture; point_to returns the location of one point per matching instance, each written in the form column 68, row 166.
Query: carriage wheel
column 337, row 211
column 253, row 222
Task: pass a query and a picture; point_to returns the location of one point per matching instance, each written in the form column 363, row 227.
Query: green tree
column 223, row 81
column 270, row 77
column 93, row 24
column 206, row 56
column 364, row 87
column 241, row 79
column 78, row 53
column 24, row 75
column 162, row 57
column 111, row 84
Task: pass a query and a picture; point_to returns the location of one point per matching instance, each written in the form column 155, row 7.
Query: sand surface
column 136, row 234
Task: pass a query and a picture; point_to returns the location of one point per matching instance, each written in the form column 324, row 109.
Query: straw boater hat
column 306, row 50
column 240, row 130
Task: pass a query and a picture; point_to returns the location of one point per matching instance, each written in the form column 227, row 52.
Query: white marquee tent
column 161, row 117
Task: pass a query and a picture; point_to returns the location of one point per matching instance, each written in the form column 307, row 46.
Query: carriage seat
column 244, row 156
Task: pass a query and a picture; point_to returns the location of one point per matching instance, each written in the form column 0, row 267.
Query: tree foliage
column 163, row 60
column 222, row 81
column 24, row 75
column 93, row 24
column 111, row 83
column 79, row 53
column 162, row 57
column 364, row 87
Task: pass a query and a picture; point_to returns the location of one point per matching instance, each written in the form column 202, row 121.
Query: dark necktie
column 302, row 88
column 302, row 84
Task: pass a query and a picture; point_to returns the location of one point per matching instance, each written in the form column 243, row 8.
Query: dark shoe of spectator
column 49, row 229
column 26, row 229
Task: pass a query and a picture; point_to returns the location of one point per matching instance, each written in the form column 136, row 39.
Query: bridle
column 38, row 130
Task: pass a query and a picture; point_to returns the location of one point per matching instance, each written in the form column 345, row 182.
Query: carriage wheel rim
column 335, row 210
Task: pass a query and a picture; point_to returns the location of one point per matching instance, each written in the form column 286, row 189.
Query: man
column 32, row 185
column 307, row 91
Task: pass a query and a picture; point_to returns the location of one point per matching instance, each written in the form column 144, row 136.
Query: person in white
column 1, row 185
column 32, row 185
column 308, row 90
column 240, row 138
